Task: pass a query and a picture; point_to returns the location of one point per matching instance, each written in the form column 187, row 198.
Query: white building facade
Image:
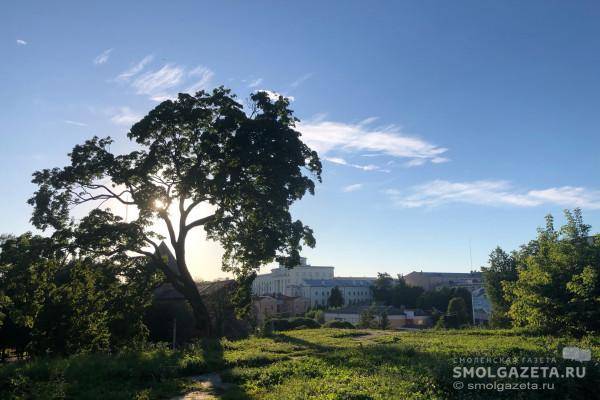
column 354, row 290
column 313, row 283
column 288, row 281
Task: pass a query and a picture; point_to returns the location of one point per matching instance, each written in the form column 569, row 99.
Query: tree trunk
column 201, row 314
column 186, row 285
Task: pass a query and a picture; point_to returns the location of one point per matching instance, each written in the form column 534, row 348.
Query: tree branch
column 165, row 216
column 198, row 222
column 113, row 194
column 171, row 276
column 189, row 209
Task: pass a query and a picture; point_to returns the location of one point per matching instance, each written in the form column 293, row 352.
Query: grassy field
column 302, row 364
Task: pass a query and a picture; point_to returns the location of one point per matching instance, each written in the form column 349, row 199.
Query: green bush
column 317, row 315
column 338, row 324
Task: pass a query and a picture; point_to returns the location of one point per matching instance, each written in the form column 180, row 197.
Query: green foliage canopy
column 502, row 268
column 198, row 149
column 558, row 286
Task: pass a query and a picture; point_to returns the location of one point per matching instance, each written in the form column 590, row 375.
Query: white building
column 313, row 283
column 354, row 290
column 482, row 308
column 288, row 281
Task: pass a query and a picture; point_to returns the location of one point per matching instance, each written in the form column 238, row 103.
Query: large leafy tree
column 558, row 288
column 502, row 268
column 382, row 288
column 248, row 167
column 440, row 298
column 395, row 292
column 405, row 295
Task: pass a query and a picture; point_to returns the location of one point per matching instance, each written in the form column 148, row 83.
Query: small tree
column 366, row 319
column 319, row 316
column 384, row 321
column 458, row 309
column 336, row 299
column 382, row 288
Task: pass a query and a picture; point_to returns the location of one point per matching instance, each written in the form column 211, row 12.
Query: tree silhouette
column 198, row 149
column 336, row 299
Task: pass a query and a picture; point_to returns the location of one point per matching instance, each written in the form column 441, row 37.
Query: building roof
column 448, row 274
column 164, row 251
column 345, row 282
column 358, row 309
column 166, row 291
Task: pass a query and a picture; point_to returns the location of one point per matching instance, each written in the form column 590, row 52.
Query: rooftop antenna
column 470, row 255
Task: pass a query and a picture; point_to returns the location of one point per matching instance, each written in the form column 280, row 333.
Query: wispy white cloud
column 300, row 80
column 125, row 116
column 154, row 83
column 341, row 161
column 163, row 83
column 368, row 121
column 21, row 42
column 255, row 83
column 274, row 96
column 102, row 58
column 76, row 123
column 568, row 196
column 203, row 77
column 492, row 193
column 352, row 188
column 329, row 136
column 135, row 69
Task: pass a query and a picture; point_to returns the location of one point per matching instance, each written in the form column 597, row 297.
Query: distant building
column 354, row 290
column 279, row 305
column 482, row 308
column 313, row 283
column 436, row 280
column 264, row 307
column 398, row 318
column 288, row 281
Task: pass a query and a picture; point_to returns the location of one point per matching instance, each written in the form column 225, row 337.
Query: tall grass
column 312, row 363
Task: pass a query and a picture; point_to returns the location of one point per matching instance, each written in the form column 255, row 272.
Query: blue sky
column 439, row 124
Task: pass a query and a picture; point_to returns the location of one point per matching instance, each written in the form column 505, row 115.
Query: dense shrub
column 56, row 299
column 338, row 324
column 159, row 320
column 317, row 315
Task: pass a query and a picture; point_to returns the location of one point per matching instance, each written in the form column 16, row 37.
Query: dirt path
column 210, row 386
